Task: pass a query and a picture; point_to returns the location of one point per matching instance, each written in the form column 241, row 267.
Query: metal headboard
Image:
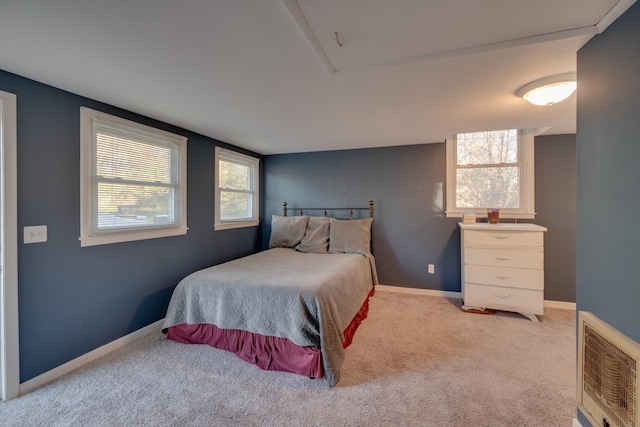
column 285, row 210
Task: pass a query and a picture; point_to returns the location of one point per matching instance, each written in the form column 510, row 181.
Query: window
column 492, row 169
column 133, row 180
column 237, row 190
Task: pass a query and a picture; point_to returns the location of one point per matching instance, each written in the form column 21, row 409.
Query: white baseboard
column 576, row 423
column 452, row 294
column 417, row 291
column 76, row 363
column 560, row 304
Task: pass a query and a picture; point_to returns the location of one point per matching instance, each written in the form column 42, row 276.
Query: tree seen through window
column 488, row 172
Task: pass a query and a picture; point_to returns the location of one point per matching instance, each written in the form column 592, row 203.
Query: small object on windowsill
column 469, row 218
column 493, row 216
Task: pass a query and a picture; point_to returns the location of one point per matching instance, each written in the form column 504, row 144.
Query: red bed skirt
column 266, row 352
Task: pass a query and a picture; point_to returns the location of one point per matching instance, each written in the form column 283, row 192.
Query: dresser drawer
column 504, row 276
column 505, row 258
column 501, row 298
column 526, row 238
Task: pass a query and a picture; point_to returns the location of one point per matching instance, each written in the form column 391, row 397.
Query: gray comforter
column 308, row 298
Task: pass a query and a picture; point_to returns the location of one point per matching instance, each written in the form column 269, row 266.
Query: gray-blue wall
column 608, row 152
column 73, row 300
column 555, row 157
column 406, row 183
column 410, row 229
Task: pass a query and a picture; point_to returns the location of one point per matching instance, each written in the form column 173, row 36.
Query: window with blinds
column 133, row 180
column 237, row 190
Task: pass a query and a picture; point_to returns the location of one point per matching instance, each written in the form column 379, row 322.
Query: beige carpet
column 416, row 361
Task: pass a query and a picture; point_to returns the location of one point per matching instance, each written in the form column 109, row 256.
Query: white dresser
column 503, row 267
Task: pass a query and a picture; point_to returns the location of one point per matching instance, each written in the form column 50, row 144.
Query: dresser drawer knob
column 502, row 296
column 502, row 277
column 500, row 237
column 502, row 258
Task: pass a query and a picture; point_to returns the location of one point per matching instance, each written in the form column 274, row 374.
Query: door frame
column 9, row 332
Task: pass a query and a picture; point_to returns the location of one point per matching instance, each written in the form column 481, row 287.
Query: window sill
column 483, row 215
column 238, row 224
column 131, row 236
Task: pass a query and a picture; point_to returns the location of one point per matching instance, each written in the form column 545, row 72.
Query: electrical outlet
column 35, row 234
column 431, row 269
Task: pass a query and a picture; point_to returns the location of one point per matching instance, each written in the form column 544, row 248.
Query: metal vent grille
column 608, row 378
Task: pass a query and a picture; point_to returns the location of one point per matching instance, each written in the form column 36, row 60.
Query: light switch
column 35, row 234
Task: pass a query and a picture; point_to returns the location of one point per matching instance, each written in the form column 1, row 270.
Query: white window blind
column 134, row 180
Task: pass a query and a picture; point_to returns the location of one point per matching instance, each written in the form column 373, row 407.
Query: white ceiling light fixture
column 549, row 90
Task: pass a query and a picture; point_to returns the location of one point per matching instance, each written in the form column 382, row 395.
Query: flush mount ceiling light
column 549, row 90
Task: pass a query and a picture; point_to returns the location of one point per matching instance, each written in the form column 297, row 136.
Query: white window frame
column 9, row 336
column 88, row 185
column 527, row 180
column 254, row 164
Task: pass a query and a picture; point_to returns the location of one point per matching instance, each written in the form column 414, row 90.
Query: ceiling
column 284, row 76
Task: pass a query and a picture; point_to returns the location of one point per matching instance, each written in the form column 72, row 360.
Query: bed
column 294, row 307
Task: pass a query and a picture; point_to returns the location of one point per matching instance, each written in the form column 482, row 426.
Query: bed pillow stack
column 321, row 235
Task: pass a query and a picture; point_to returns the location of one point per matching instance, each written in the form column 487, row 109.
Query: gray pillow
column 350, row 236
column 316, row 239
column 287, row 231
